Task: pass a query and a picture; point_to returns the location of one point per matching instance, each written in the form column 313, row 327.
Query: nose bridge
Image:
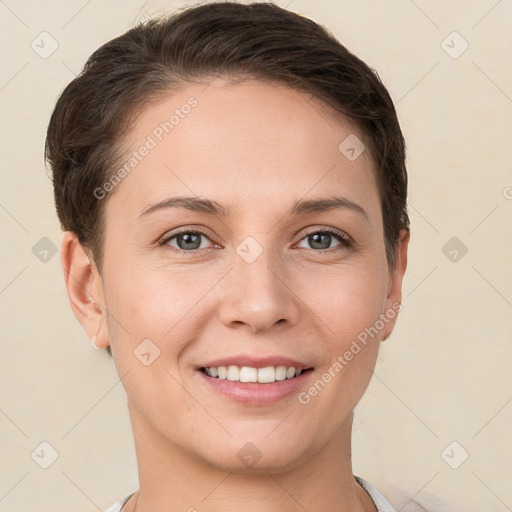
column 256, row 268
column 257, row 293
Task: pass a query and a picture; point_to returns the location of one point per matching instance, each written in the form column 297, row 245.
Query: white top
column 380, row 502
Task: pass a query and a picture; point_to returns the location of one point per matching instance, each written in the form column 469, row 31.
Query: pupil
column 318, row 236
column 186, row 240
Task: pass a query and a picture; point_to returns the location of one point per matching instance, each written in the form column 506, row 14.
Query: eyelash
column 345, row 241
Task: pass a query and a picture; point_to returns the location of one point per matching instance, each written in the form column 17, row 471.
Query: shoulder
column 381, row 503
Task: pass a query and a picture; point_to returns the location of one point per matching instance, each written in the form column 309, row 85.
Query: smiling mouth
column 250, row 374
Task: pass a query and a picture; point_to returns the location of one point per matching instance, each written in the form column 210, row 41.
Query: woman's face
column 252, row 270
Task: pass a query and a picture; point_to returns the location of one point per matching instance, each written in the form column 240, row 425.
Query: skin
column 258, row 148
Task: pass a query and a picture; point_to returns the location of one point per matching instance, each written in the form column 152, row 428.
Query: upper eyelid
column 331, row 230
column 172, row 234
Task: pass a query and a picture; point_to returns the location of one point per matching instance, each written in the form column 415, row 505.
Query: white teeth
column 265, row 375
column 233, row 373
column 281, row 373
column 248, row 374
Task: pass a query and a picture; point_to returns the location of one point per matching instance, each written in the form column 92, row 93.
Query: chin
column 258, row 456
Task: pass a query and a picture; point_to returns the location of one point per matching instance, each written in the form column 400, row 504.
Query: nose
column 258, row 295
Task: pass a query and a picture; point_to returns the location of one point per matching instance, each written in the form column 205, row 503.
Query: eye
column 187, row 241
column 321, row 240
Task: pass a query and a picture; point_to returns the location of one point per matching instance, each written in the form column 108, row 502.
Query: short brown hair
column 259, row 40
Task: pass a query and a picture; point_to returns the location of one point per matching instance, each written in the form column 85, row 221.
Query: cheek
column 347, row 301
column 159, row 303
column 349, row 304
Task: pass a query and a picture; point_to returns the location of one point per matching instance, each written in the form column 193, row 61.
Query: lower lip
column 254, row 393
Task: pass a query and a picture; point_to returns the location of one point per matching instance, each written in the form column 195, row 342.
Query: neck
column 174, row 480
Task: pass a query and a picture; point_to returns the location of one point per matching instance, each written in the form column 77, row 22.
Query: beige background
column 443, row 376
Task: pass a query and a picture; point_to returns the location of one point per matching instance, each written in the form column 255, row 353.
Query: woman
column 232, row 186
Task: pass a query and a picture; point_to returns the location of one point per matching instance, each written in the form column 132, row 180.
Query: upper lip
column 256, row 362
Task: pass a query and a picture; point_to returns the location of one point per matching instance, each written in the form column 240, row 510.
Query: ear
column 85, row 289
column 393, row 302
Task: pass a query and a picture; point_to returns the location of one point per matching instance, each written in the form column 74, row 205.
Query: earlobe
column 394, row 298
column 95, row 337
column 84, row 288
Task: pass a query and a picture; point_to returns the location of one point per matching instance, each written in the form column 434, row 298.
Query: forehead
column 239, row 141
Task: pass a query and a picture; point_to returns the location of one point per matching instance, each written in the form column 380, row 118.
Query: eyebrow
column 322, row 205
column 194, row 204
column 301, row 207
